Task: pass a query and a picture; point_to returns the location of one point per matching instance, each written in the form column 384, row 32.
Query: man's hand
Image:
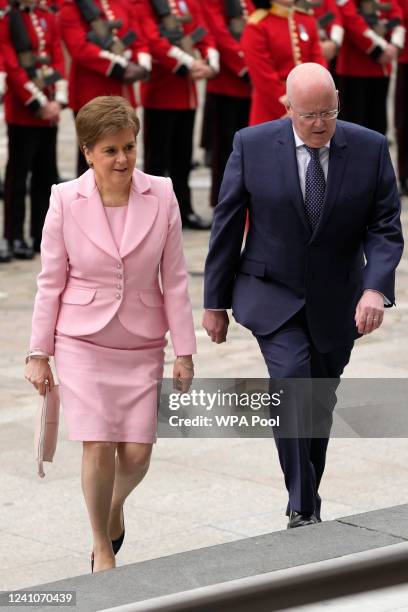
column 369, row 312
column 389, row 54
column 329, row 49
column 201, row 70
column 134, row 72
column 50, row 112
column 216, row 322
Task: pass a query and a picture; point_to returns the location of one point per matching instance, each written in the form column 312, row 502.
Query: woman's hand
column 183, row 373
column 37, row 371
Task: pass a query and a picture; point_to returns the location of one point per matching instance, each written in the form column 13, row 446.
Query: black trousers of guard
column 30, row 149
column 289, row 353
column 168, row 149
column 363, row 100
column 228, row 114
column 401, row 120
column 206, row 140
column 82, row 166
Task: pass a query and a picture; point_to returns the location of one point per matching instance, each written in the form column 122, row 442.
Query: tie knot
column 313, row 152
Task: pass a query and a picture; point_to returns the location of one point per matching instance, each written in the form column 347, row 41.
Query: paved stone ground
column 197, row 492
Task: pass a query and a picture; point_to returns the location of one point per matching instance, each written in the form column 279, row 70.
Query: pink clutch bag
column 46, row 427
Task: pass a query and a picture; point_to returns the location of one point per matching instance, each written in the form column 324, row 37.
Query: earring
column 90, row 164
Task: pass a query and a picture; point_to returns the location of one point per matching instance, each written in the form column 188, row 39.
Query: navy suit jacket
column 284, row 265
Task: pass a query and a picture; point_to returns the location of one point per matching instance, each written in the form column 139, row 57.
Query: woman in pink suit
column 113, row 281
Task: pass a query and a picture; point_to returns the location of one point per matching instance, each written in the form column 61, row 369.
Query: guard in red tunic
column 276, row 40
column 107, row 49
column 401, row 107
column 183, row 52
column 374, row 36
column 229, row 94
column 36, row 90
column 330, row 26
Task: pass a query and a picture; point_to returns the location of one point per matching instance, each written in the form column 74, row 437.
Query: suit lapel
column 141, row 214
column 290, row 172
column 89, row 214
column 337, row 164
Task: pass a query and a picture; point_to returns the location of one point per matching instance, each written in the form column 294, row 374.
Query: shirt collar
column 299, row 142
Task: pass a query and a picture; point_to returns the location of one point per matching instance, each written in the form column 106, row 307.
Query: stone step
column 253, row 561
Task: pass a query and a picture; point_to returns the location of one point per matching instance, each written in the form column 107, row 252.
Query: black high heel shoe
column 92, row 562
column 117, row 544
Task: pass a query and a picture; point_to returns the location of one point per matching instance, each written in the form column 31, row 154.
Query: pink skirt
column 108, row 384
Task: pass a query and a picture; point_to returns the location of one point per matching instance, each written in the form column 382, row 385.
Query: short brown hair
column 102, row 116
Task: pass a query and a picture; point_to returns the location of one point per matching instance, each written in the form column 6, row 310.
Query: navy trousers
column 289, row 353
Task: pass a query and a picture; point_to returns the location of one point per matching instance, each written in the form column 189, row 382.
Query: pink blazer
column 85, row 280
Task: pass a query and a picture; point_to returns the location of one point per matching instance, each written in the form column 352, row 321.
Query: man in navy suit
column 319, row 260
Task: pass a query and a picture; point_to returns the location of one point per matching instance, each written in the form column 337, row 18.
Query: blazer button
column 119, row 265
column 118, row 286
column 119, row 276
column 118, row 296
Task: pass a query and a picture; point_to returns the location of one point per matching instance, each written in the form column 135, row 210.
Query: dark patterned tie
column 315, row 187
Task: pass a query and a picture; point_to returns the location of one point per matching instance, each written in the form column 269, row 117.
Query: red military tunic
column 95, row 71
column 333, row 30
column 229, row 94
column 2, row 77
column 165, row 89
column 53, row 5
column 362, row 45
column 274, row 42
column 403, row 58
column 231, row 80
column 23, row 96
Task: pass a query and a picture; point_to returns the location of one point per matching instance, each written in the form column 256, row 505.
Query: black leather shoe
column 92, row 562
column 194, row 221
column 21, row 250
column 297, row 519
column 117, row 544
column 6, row 254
